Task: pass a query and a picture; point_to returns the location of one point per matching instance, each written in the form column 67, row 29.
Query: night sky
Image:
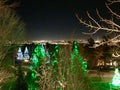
column 55, row 19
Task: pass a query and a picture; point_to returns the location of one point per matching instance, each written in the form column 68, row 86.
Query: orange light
column 26, row 60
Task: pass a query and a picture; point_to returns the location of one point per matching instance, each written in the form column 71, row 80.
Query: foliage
column 11, row 27
column 11, row 31
column 66, row 69
column 9, row 84
column 5, row 79
column 20, row 83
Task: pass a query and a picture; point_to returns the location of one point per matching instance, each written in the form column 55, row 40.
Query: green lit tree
column 55, row 56
column 77, row 60
column 77, row 70
column 32, row 78
column 55, row 65
column 116, row 79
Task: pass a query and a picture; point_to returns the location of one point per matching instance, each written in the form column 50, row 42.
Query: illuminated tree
column 19, row 54
column 116, row 79
column 53, row 64
column 54, row 51
column 77, row 70
column 26, row 54
column 32, row 77
column 55, row 56
column 77, row 59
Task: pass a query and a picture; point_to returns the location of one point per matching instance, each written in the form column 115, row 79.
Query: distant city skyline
column 55, row 20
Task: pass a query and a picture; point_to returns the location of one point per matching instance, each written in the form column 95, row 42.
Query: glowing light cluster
column 26, row 54
column 55, row 53
column 37, row 56
column 52, row 55
column 21, row 55
column 116, row 78
column 76, row 56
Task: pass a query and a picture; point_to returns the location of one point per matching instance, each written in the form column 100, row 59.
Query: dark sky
column 55, row 19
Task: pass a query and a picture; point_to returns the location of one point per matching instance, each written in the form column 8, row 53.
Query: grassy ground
column 103, row 83
column 101, row 80
column 99, row 84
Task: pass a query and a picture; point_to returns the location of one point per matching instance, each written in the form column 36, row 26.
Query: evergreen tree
column 77, row 60
column 37, row 57
column 116, row 79
column 77, row 70
column 19, row 54
column 26, row 54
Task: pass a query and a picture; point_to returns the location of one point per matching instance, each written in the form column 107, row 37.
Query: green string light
column 37, row 57
column 76, row 57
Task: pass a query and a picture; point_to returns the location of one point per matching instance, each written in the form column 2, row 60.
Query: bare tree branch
column 98, row 25
column 113, row 1
column 115, row 55
column 108, row 25
column 96, row 28
column 112, row 12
